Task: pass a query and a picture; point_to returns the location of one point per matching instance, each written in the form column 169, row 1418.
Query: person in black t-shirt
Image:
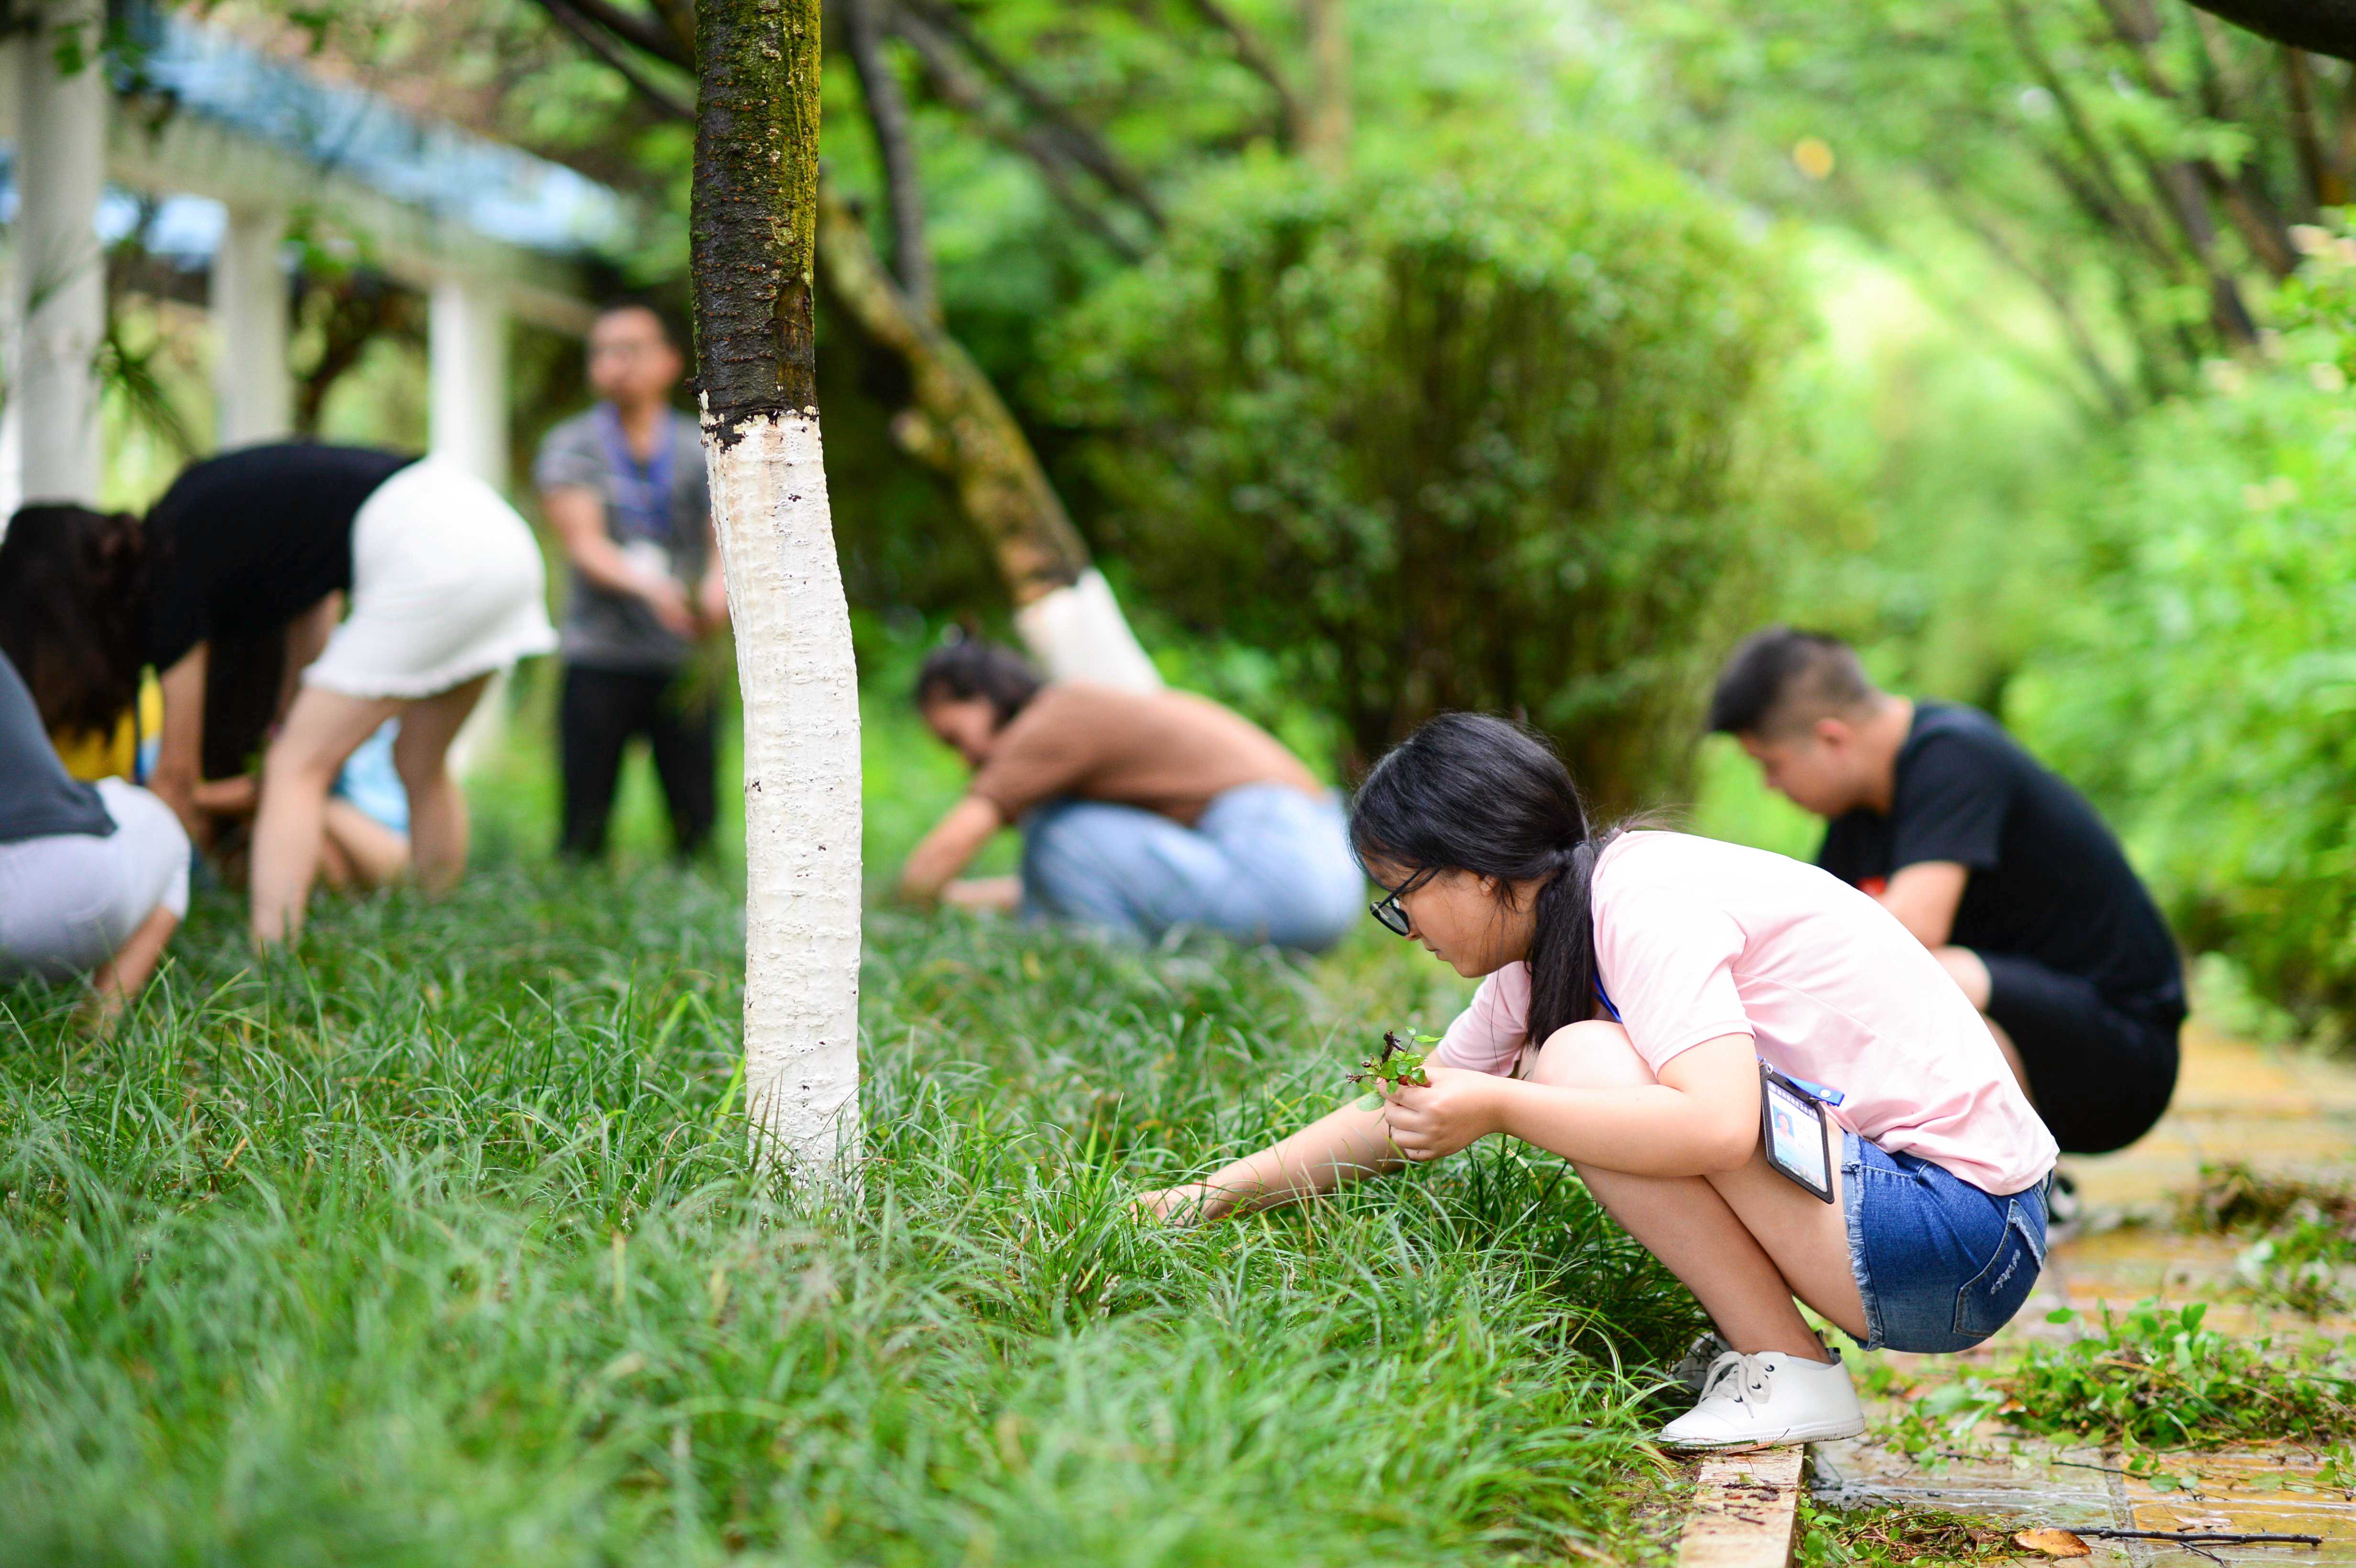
column 1992, row 862
column 386, row 587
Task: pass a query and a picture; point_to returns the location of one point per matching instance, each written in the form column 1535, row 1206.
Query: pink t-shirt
column 1697, row 939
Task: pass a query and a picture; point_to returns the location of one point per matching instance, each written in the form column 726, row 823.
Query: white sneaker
column 1769, row 1397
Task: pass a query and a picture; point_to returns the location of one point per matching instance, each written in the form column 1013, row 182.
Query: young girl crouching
column 1647, row 985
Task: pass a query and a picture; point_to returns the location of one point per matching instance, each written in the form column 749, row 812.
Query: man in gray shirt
column 623, row 485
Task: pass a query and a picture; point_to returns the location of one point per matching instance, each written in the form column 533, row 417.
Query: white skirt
column 447, row 585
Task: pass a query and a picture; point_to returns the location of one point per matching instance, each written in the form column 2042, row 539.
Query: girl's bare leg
column 1745, row 1243
column 359, row 852
column 437, row 811
column 322, row 729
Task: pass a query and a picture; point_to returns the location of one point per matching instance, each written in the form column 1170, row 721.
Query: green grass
column 438, row 1244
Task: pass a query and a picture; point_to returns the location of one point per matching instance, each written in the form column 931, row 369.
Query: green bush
column 2203, row 694
column 1463, row 438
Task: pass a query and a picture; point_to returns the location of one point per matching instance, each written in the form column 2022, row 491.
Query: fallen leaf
column 2053, row 1543
column 2199, row 1522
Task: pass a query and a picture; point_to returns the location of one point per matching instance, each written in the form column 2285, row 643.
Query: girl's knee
column 1596, row 1054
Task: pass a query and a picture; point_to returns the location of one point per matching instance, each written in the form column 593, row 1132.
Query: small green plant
column 1399, row 1065
column 2159, row 1377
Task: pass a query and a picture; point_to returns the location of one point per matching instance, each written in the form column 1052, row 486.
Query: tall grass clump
column 437, row 1242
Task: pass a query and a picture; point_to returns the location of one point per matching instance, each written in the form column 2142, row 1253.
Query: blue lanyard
column 641, row 504
column 1814, row 1091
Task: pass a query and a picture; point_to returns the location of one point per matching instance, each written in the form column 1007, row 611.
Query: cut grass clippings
column 1880, row 1537
column 2301, row 1251
column 2153, row 1378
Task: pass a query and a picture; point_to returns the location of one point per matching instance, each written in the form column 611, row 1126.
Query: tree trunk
column 1063, row 607
column 1327, row 26
column 752, row 235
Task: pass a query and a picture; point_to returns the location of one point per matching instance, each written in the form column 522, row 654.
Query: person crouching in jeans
column 1140, row 812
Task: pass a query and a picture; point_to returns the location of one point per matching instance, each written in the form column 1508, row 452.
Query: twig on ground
column 2206, row 1537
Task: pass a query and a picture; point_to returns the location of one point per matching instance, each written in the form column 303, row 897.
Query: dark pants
column 2102, row 1072
column 600, row 712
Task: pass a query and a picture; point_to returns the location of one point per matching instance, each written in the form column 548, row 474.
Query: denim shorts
column 1940, row 1263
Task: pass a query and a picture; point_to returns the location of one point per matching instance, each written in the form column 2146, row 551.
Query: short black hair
column 663, row 322
column 969, row 668
column 1779, row 669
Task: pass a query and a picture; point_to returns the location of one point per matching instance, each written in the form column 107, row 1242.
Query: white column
column 253, row 389
column 57, row 286
column 467, row 345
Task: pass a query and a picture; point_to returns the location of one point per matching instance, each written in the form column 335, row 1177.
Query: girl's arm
column 1338, row 1148
column 1701, row 1119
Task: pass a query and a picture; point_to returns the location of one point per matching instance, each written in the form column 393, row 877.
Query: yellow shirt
column 91, row 757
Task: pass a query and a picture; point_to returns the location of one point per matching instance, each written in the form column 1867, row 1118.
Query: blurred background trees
column 1391, row 356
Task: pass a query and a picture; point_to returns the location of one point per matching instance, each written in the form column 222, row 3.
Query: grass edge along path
column 437, row 1244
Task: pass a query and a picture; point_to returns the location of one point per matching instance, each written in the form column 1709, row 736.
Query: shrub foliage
column 1462, row 440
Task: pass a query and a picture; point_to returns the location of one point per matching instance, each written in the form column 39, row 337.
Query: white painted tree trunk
column 801, row 789
column 1080, row 633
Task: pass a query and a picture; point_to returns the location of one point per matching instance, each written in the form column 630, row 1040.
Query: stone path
column 2278, row 1112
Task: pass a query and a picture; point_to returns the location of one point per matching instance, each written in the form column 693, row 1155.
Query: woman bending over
column 1666, row 997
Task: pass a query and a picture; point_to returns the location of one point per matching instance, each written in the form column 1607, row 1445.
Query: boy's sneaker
column 1692, row 1371
column 2064, row 1210
column 1769, row 1397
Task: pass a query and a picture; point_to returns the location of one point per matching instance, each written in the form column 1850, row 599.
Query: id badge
column 1794, row 1131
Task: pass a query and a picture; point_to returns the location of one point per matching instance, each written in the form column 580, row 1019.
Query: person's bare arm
column 1002, row 894
column 1924, row 896
column 1343, row 1145
column 578, row 516
column 1700, row 1119
column 954, row 841
column 236, row 796
column 180, row 747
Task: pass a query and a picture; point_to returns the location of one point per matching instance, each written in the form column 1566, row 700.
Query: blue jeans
column 1940, row 1263
column 1263, row 863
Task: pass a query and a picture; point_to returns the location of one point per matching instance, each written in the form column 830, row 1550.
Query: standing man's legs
column 683, row 733
column 597, row 714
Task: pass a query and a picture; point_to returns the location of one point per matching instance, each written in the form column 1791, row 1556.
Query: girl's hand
column 1458, row 1109
column 1193, row 1203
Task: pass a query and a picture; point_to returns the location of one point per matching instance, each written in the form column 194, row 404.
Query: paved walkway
column 2280, row 1113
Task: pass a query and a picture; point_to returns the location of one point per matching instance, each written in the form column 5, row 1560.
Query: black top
column 244, row 542
column 2049, row 882
column 38, row 798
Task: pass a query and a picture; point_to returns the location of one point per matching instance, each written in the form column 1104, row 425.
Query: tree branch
column 1085, row 146
column 637, row 30
column 961, row 90
column 601, row 43
column 959, row 425
column 887, row 118
column 1293, row 129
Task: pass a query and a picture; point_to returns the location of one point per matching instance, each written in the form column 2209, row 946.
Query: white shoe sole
column 1822, row 1432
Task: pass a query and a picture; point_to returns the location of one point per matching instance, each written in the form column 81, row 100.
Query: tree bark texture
column 753, row 234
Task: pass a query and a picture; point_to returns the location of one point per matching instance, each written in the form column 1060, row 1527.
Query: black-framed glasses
column 1394, row 919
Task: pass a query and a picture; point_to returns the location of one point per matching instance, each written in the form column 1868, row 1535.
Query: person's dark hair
column 621, row 303
column 1778, row 673
column 1471, row 792
column 72, row 581
column 963, row 671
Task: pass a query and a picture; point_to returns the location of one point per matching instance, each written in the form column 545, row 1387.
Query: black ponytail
column 1471, row 792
